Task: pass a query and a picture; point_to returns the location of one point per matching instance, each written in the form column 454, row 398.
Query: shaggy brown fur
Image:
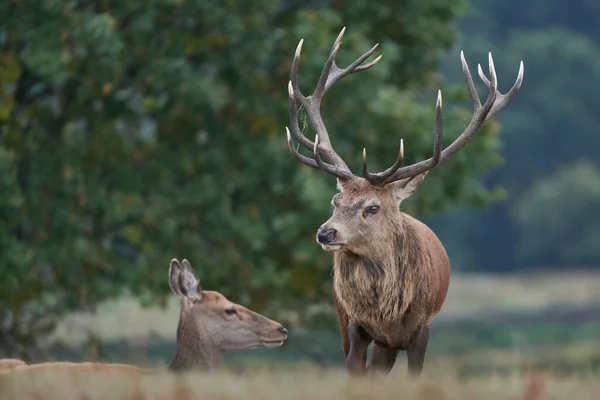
column 391, row 274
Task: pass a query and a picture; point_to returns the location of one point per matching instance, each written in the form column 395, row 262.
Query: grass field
column 488, row 325
column 288, row 384
column 532, row 337
column 468, row 295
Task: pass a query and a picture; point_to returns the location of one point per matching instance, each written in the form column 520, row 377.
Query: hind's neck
column 194, row 351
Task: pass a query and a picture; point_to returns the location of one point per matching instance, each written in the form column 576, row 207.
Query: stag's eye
column 372, row 210
column 230, row 311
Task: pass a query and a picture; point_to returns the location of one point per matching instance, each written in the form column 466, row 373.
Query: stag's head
column 209, row 317
column 366, row 210
column 365, row 217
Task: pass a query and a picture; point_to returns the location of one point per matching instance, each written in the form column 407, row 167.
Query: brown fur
column 391, row 273
column 10, row 363
column 205, row 330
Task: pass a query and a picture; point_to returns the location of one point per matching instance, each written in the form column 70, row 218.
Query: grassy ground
column 288, row 384
column 469, row 295
column 491, row 329
column 488, row 325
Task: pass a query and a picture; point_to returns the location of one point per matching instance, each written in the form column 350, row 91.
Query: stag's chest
column 369, row 293
column 360, row 294
column 378, row 300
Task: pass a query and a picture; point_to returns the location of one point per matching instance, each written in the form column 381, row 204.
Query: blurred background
column 132, row 132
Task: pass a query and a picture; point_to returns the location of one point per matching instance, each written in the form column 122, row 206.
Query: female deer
column 209, row 325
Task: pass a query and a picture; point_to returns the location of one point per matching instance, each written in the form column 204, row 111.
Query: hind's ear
column 405, row 188
column 189, row 283
column 174, row 273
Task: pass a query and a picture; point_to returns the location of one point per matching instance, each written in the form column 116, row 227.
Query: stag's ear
column 340, row 188
column 405, row 188
column 174, row 273
column 189, row 284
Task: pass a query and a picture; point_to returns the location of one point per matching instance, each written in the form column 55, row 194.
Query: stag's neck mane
column 382, row 287
column 194, row 351
column 401, row 252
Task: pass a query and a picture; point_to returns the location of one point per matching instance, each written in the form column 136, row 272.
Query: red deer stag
column 391, row 272
column 209, row 325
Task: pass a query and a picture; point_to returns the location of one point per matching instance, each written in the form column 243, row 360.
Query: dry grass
column 468, row 295
column 289, row 384
column 474, row 293
column 514, row 358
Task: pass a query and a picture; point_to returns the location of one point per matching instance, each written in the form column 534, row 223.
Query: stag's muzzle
column 326, row 236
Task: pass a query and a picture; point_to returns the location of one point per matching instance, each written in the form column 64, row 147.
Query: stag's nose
column 283, row 330
column 326, row 236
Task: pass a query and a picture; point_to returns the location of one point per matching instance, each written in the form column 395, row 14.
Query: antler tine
column 481, row 113
column 317, row 163
column 331, row 73
column 340, row 173
column 391, row 174
column 337, row 73
column 303, row 140
column 380, row 177
column 302, row 158
column 331, row 163
column 395, row 166
column 320, row 89
column 470, row 85
column 502, row 98
column 294, row 72
column 438, row 142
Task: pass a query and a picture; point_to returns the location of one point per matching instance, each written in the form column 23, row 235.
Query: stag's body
column 390, row 292
column 391, row 272
column 393, row 296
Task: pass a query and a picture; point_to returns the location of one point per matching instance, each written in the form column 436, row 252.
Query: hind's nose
column 283, row 330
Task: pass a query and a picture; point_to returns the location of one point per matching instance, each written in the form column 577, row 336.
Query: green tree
column 556, row 217
column 133, row 132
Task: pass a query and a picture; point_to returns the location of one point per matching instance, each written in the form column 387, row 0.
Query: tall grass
column 286, row 384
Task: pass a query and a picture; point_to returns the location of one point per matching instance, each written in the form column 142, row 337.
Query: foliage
column 551, row 125
column 134, row 132
column 557, row 209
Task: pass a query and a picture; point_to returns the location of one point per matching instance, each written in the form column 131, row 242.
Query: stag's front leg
column 343, row 320
column 382, row 359
column 359, row 339
column 416, row 352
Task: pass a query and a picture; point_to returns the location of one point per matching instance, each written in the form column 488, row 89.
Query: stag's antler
column 322, row 146
column 481, row 113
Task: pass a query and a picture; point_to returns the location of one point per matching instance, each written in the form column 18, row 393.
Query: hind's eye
column 373, row 209
column 230, row 311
